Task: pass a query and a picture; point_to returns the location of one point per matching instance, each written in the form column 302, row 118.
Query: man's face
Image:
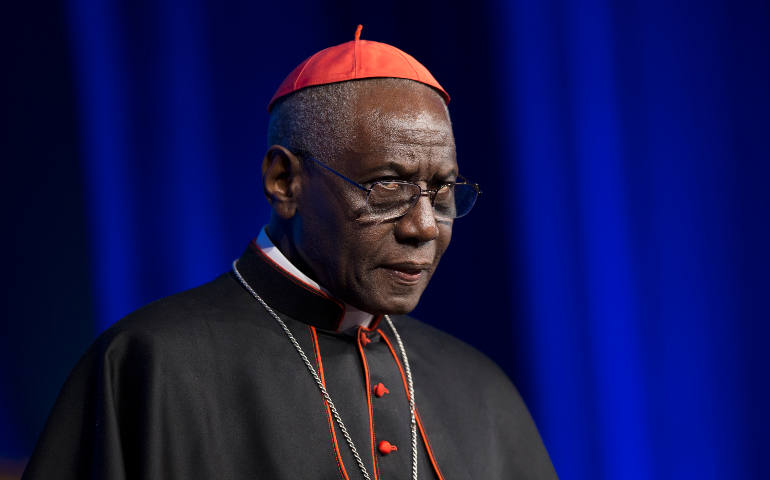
column 380, row 265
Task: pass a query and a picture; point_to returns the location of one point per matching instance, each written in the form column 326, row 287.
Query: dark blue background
column 616, row 265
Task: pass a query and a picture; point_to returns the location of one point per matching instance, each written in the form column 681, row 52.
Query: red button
column 385, row 447
column 381, row 390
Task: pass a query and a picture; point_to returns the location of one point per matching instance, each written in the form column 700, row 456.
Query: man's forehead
column 415, row 128
column 404, row 143
column 401, row 111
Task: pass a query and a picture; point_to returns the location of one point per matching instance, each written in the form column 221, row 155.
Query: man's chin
column 387, row 298
column 394, row 304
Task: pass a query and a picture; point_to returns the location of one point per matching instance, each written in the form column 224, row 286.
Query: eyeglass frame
column 429, row 192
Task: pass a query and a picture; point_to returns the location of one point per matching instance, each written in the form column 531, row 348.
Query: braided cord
column 310, row 368
column 325, row 393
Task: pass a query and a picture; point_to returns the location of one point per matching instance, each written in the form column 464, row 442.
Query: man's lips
column 408, row 273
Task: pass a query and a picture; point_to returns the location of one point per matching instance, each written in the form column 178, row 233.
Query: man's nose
column 419, row 222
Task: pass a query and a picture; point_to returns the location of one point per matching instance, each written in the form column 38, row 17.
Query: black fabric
column 304, row 302
column 205, row 384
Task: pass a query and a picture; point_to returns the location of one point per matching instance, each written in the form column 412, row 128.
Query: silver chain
column 322, row 388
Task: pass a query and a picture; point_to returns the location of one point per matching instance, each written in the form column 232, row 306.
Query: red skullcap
column 354, row 60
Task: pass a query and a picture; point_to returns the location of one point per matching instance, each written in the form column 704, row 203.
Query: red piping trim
column 317, row 350
column 417, row 416
column 428, row 447
column 373, row 325
column 304, row 67
column 291, row 277
column 356, row 53
column 398, row 363
column 416, row 73
column 369, row 403
column 299, row 282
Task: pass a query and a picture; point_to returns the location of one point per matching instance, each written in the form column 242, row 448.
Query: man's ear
column 281, row 180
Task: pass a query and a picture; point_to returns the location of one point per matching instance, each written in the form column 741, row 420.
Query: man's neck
column 353, row 317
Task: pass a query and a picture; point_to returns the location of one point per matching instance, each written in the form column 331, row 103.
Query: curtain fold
column 633, row 172
column 624, row 148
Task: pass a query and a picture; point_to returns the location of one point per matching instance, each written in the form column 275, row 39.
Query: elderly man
column 301, row 362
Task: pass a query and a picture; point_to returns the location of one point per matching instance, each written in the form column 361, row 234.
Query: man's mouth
column 408, row 273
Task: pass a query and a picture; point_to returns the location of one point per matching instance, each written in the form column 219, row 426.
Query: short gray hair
column 320, row 120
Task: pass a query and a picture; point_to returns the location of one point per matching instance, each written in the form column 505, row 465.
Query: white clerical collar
column 353, row 317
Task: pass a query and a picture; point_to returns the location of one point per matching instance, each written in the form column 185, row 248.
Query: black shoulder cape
column 205, row 384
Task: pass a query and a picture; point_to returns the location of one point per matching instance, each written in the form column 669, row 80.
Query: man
column 301, row 363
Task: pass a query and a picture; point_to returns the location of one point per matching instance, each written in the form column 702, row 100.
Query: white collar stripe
column 353, row 317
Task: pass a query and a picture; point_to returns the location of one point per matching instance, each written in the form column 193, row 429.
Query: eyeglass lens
column 393, row 199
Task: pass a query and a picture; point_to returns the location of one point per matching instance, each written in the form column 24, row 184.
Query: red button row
column 380, row 390
column 384, row 447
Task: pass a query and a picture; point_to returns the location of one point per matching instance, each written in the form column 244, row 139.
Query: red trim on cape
column 310, row 288
column 317, row 349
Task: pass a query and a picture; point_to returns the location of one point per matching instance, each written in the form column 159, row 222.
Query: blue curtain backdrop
column 616, row 265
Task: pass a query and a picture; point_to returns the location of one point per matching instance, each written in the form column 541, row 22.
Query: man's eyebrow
column 451, row 173
column 404, row 169
column 400, row 168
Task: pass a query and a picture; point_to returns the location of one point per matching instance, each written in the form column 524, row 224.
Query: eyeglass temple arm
column 355, row 184
column 465, row 181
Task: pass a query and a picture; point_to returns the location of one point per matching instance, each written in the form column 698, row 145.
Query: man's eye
column 389, row 186
column 444, row 192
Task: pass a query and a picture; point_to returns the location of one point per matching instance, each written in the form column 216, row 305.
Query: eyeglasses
column 393, row 198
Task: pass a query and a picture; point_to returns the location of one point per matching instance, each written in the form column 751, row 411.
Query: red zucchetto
column 355, row 60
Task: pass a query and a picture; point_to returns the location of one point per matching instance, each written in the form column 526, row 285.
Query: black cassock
column 205, row 384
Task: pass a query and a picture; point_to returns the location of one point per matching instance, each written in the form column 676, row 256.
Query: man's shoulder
column 182, row 318
column 212, row 297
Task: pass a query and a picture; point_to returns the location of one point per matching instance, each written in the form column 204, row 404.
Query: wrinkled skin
column 319, row 220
